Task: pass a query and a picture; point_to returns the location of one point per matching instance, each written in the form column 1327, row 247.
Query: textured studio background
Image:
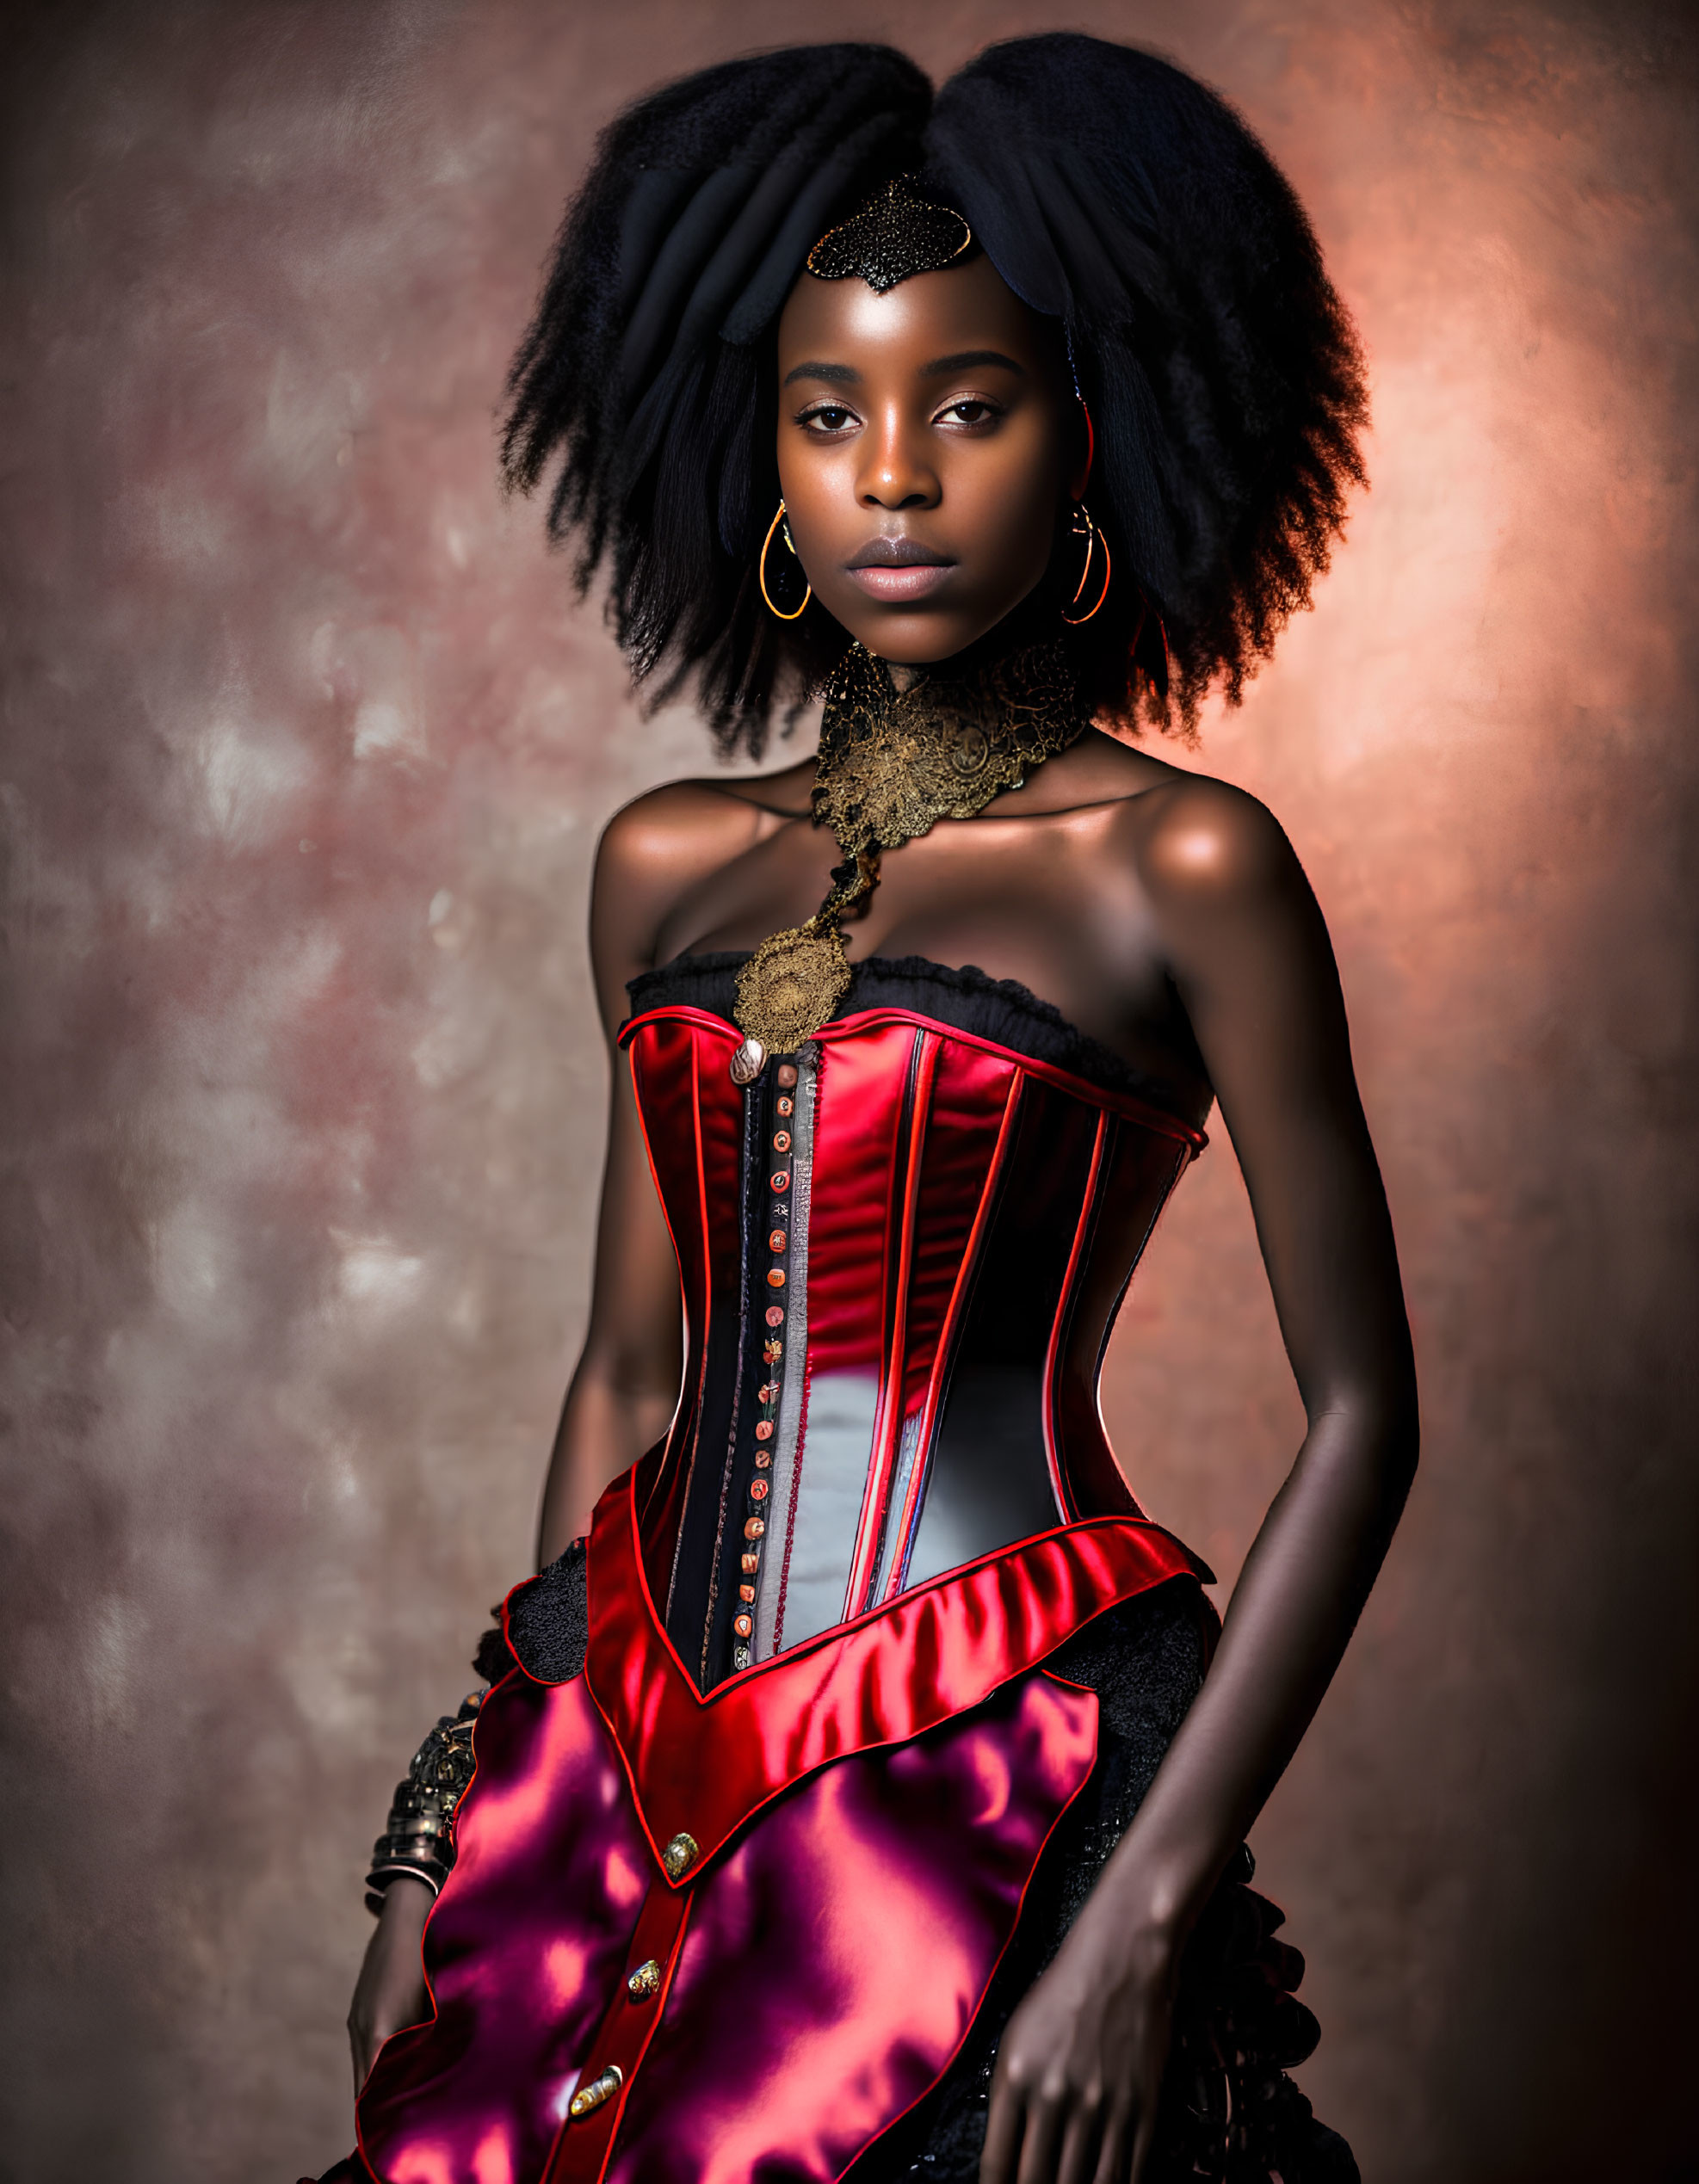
column 306, row 747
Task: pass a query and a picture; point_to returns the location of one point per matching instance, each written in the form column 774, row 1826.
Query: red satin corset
column 901, row 1256
column 684, row 1875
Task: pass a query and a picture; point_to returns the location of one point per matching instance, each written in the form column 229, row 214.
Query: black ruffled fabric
column 549, row 1620
column 1231, row 2114
column 967, row 997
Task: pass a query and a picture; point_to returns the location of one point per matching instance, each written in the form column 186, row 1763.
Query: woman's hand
column 1080, row 2068
column 391, row 1989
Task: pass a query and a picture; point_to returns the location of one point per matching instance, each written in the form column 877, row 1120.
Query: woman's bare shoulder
column 1188, row 833
column 703, row 815
column 669, row 840
column 1194, row 834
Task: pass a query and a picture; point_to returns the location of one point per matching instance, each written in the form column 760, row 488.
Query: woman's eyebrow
column 839, row 374
column 964, row 359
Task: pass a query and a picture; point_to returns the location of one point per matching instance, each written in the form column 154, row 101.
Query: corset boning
column 899, row 1274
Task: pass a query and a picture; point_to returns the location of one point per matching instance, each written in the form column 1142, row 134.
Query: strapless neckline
column 961, row 996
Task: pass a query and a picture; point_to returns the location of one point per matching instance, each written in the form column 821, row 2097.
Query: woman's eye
column 972, row 410
column 832, row 416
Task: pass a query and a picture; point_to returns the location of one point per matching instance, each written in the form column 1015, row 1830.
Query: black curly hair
column 1111, row 190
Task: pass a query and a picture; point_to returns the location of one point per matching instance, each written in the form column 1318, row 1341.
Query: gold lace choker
column 892, row 764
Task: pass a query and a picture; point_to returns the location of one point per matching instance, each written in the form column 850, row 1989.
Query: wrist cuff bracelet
column 418, row 1838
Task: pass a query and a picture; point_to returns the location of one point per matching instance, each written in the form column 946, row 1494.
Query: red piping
column 888, row 1421
column 941, row 1355
column 1123, row 1103
column 1009, row 1939
column 1088, row 1211
column 678, row 1255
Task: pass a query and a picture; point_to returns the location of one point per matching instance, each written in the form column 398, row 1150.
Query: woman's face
column 927, row 438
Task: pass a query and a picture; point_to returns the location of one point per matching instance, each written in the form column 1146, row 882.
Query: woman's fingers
column 363, row 2040
column 1083, row 2135
column 1058, row 2136
column 1004, row 2127
column 1042, row 2141
column 1112, row 2151
column 391, row 1989
column 1143, row 2133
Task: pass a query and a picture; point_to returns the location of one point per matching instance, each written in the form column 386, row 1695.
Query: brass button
column 644, row 1983
column 589, row 2098
column 748, row 1062
column 680, row 1855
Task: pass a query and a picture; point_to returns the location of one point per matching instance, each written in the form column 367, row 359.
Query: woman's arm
column 622, row 1394
column 624, row 1390
column 1081, row 2062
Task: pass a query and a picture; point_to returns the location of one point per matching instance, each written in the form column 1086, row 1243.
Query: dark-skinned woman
column 860, row 1788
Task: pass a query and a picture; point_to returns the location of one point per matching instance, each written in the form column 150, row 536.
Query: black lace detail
column 549, row 1620
column 967, row 998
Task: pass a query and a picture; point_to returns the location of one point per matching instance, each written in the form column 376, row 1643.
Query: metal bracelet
column 419, row 1836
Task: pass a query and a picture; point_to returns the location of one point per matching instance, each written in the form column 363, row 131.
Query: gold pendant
column 892, row 764
column 789, row 987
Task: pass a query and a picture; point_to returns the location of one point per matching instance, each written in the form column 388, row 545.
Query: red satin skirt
column 757, row 1935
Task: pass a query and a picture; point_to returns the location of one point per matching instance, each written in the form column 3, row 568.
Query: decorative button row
column 589, row 2098
column 644, row 1983
column 680, row 1855
column 772, row 1354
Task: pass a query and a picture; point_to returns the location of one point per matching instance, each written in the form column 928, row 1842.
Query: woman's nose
column 897, row 472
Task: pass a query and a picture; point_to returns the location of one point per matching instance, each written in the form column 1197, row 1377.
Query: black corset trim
column 967, row 999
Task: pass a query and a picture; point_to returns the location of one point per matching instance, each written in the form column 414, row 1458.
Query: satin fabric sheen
column 965, row 1199
column 911, row 1767
column 522, row 1951
column 866, row 1809
column 706, row 1765
column 800, row 2020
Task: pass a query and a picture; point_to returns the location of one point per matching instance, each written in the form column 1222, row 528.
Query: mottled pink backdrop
column 305, row 748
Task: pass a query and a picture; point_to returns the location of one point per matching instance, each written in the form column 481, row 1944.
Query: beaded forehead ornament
column 896, row 234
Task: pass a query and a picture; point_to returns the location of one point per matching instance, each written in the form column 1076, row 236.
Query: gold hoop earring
column 761, row 569
column 1083, row 526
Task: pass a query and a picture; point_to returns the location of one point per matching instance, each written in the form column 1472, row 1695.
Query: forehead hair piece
column 896, row 234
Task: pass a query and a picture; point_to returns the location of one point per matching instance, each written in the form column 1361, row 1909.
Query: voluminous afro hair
column 1111, row 190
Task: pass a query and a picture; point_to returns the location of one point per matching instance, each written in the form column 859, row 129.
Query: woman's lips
column 897, row 586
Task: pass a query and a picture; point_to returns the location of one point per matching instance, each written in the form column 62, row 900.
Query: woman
column 855, row 1800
